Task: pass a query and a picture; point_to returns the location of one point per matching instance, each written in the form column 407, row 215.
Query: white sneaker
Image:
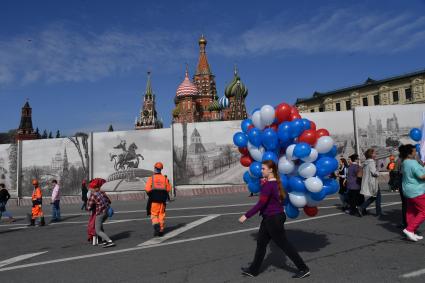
column 418, row 237
column 411, row 236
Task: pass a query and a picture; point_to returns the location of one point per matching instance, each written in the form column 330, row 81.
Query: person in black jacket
column 84, row 192
column 4, row 197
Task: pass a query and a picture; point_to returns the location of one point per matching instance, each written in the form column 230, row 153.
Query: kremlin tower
column 25, row 130
column 148, row 116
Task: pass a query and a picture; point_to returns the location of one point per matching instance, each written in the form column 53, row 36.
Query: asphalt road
column 205, row 243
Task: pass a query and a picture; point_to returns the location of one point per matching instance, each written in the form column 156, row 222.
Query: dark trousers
column 403, row 207
column 56, row 211
column 354, row 199
column 377, row 200
column 272, row 228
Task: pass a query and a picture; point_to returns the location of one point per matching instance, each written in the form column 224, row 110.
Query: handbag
column 110, row 212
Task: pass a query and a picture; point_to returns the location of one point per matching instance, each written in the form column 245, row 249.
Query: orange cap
column 34, row 182
column 159, row 165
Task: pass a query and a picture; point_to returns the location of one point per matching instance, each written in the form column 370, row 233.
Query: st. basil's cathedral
column 196, row 100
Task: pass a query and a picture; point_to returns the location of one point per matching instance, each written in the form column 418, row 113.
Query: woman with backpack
column 101, row 203
column 370, row 185
column 354, row 181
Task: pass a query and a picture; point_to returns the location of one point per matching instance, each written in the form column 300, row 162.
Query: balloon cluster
column 416, row 135
column 305, row 156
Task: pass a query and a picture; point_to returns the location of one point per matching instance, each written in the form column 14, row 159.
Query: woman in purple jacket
column 270, row 206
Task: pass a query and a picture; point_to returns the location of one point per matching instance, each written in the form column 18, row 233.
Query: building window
column 395, row 96
column 321, row 109
column 376, row 99
column 365, row 102
column 408, row 92
column 338, row 106
column 311, row 110
column 348, row 105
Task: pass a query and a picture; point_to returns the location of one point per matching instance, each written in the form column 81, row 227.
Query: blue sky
column 83, row 64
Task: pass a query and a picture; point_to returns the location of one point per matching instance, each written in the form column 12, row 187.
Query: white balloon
column 285, row 166
column 307, row 170
column 311, row 202
column 324, row 144
column 313, row 184
column 256, row 120
column 256, row 152
column 312, row 157
column 290, row 152
column 298, row 199
column 267, row 113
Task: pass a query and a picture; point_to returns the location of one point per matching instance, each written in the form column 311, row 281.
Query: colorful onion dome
column 186, row 88
column 236, row 87
column 214, row 106
column 224, row 102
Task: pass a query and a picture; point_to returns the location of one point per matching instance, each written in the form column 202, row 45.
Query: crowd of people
column 359, row 186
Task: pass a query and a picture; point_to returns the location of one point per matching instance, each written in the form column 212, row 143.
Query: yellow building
column 403, row 89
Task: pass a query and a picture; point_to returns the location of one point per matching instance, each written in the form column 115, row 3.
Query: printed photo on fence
column 204, row 153
column 63, row 159
column 341, row 127
column 126, row 159
column 385, row 128
column 8, row 167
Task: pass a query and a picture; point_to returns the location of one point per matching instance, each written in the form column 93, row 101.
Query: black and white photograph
column 62, row 159
column 204, row 153
column 126, row 159
column 8, row 167
column 385, row 128
column 341, row 127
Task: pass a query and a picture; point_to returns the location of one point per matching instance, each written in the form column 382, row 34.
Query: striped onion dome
column 187, row 88
column 236, row 86
column 214, row 106
column 224, row 102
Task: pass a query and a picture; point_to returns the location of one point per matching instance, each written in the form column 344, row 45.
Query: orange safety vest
column 157, row 188
column 391, row 166
column 37, row 196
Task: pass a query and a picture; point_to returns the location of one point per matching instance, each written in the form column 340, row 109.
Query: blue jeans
column 56, row 212
column 5, row 213
column 377, row 200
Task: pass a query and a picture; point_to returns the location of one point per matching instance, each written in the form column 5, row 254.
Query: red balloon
column 246, row 160
column 311, row 211
column 294, row 110
column 294, row 116
column 312, row 125
column 274, row 126
column 249, row 128
column 243, row 150
column 308, row 136
column 322, row 133
column 282, row 112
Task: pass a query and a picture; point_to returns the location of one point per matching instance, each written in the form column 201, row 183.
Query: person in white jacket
column 370, row 186
column 56, row 213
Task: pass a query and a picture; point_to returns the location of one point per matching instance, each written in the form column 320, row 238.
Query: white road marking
column 19, row 258
column 166, row 243
column 191, row 225
column 414, row 273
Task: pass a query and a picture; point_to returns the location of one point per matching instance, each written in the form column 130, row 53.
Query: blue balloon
column 255, row 110
column 415, row 134
column 240, row 139
column 291, row 211
column 326, row 165
column 296, row 184
column 270, row 139
column 330, row 186
column 254, row 187
column 297, row 128
column 270, row 155
column 319, row 195
column 255, row 137
column 255, row 169
column 284, row 131
column 245, row 124
column 285, row 181
column 302, row 150
column 247, row 177
column 306, row 124
column 331, row 153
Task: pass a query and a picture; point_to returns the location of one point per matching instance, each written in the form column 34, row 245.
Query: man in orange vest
column 157, row 187
column 37, row 201
column 391, row 167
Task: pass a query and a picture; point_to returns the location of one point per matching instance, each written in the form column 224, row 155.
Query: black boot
column 156, row 229
column 32, row 222
column 42, row 222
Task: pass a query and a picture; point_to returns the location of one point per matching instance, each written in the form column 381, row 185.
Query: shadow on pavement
column 391, row 221
column 171, row 228
column 303, row 241
column 122, row 235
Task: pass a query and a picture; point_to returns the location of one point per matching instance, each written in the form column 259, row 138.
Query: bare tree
column 83, row 139
column 228, row 154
